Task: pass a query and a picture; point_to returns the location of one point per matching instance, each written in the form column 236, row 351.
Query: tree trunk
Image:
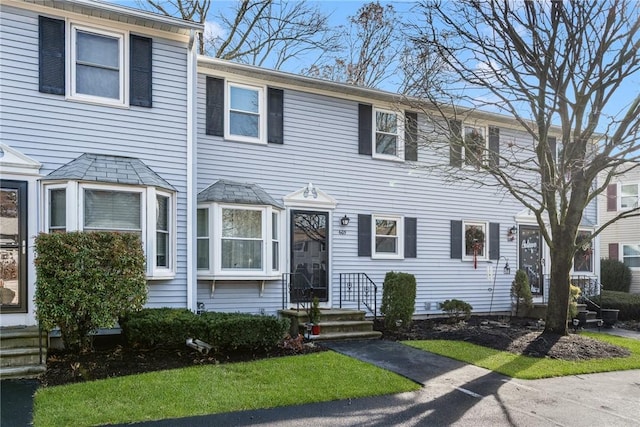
column 558, row 305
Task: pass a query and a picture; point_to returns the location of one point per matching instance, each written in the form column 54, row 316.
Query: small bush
column 456, row 309
column 615, row 275
column 574, row 296
column 225, row 332
column 85, row 281
column 398, row 299
column 521, row 291
column 628, row 304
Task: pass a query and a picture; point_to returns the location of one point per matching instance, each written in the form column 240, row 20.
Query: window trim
column 75, row 201
column 619, row 201
column 123, row 48
column 399, row 220
column 621, row 251
column 400, row 130
column 485, row 248
column 214, row 221
column 485, row 149
column 262, row 113
column 591, row 261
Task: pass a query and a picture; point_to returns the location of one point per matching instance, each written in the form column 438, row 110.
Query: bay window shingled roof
column 224, row 191
column 109, row 169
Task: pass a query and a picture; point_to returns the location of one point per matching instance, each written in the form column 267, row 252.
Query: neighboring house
column 235, row 176
column 621, row 240
column 96, row 120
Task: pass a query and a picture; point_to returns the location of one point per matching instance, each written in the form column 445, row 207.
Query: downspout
column 192, row 283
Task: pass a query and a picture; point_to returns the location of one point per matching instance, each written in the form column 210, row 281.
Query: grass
column 525, row 367
column 213, row 389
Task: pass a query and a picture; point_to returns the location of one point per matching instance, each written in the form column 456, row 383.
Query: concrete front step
column 346, row 326
column 19, row 337
column 336, row 336
column 22, row 372
column 21, row 356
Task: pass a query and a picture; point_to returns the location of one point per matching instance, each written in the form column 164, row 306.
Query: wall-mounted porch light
column 511, row 234
column 345, row 220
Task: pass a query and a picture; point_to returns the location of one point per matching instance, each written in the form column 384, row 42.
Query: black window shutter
column 494, row 240
column 215, row 107
column 364, row 235
column 365, row 128
column 551, row 141
column 410, row 237
column 494, row 146
column 455, row 143
column 51, row 57
column 612, row 197
column 456, row 239
column 140, row 73
column 411, row 136
column 275, row 126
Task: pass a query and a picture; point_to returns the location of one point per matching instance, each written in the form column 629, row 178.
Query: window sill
column 385, row 256
column 238, row 277
column 106, row 102
column 162, row 276
column 245, row 140
column 388, row 158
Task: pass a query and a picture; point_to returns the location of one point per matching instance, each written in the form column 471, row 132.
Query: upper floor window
column 388, row 141
column 475, row 142
column 631, row 255
column 97, row 64
column 244, row 112
column 93, row 64
column 629, row 196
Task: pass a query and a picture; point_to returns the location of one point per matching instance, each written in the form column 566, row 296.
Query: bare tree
column 266, row 33
column 373, row 46
column 559, row 68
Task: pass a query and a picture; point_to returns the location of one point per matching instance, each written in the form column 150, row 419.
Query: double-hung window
column 203, row 239
column 475, row 142
column 631, row 255
column 57, row 210
column 583, row 257
column 388, row 142
column 245, row 115
column 97, row 64
column 629, row 196
column 242, row 241
column 475, row 240
column 388, row 237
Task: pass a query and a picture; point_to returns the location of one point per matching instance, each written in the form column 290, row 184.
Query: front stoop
column 20, row 352
column 335, row 324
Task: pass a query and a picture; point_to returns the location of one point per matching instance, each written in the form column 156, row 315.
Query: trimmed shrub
column 628, row 304
column 86, row 280
column 456, row 309
column 521, row 291
column 225, row 332
column 615, row 275
column 574, row 296
column 398, row 299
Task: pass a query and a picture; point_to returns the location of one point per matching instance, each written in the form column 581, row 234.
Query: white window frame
column 621, row 184
column 75, row 218
column 399, row 220
column 266, row 272
column 276, row 223
column 591, row 260
column 485, row 245
column 399, row 156
column 47, row 202
column 622, row 257
column 206, row 237
column 123, row 65
column 485, row 134
column 262, row 112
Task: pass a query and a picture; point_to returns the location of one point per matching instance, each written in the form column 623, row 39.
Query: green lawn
column 212, row 389
column 525, row 367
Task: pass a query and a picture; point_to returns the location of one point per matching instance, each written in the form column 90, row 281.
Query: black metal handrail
column 589, row 286
column 296, row 288
column 359, row 288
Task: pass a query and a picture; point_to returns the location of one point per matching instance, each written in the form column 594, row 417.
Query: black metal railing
column 589, row 287
column 360, row 289
column 296, row 288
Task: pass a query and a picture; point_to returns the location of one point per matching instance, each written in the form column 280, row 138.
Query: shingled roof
column 114, row 169
column 224, row 191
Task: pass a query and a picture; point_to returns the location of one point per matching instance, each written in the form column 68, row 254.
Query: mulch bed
column 112, row 357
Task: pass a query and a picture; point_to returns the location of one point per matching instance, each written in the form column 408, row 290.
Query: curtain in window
column 241, row 239
column 112, row 210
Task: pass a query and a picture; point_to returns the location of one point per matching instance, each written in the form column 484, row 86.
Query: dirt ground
column 112, row 358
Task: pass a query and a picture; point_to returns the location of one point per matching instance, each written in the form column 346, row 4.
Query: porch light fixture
column 507, row 268
column 511, row 234
column 310, row 189
column 345, row 220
